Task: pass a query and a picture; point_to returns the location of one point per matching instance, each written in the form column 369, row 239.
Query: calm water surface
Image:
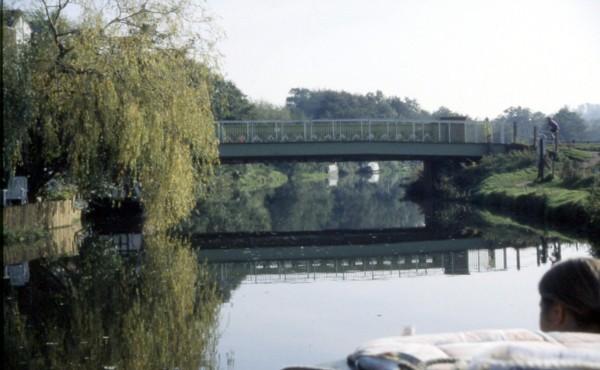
column 305, row 272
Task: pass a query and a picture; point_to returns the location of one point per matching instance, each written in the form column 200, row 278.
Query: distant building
column 15, row 27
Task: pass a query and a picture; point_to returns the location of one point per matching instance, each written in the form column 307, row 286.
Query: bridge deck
column 324, row 151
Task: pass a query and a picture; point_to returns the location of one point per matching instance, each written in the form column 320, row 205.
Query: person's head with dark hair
column 570, row 296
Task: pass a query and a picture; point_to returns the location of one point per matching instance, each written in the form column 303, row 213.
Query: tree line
column 230, row 103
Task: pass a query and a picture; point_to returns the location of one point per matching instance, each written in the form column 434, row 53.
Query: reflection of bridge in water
column 364, row 268
column 385, row 258
column 366, row 262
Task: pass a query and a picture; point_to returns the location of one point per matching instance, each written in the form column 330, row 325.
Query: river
column 304, row 267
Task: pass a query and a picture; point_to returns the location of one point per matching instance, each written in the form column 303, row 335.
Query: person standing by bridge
column 553, row 126
column 554, row 129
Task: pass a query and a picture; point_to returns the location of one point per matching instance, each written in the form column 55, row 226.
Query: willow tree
column 122, row 100
column 17, row 107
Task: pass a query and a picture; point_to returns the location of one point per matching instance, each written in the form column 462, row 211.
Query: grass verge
column 509, row 181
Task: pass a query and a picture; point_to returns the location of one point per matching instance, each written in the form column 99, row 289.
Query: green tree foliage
column 120, row 101
column 229, row 103
column 525, row 119
column 227, row 100
column 592, row 132
column 234, row 203
column 268, row 111
column 591, row 115
column 571, row 124
column 17, row 104
column 316, row 104
column 444, row 112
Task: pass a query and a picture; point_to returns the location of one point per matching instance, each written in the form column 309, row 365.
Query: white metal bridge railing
column 364, row 130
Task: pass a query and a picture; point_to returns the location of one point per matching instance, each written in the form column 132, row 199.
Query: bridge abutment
column 431, row 169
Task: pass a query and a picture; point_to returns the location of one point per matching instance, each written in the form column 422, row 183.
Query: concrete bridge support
column 430, row 172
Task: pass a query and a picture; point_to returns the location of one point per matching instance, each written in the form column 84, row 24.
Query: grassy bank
column 570, row 197
column 549, row 199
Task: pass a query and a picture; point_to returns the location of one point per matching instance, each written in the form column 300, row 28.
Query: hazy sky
column 473, row 56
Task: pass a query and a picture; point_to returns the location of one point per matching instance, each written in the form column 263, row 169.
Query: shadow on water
column 99, row 308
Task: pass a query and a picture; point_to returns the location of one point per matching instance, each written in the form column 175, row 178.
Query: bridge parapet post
column 332, row 130
column 387, row 130
column 304, row 130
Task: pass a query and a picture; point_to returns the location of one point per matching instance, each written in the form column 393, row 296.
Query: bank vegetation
column 569, row 196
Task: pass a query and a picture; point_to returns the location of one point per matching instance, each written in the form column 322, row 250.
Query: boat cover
column 476, row 350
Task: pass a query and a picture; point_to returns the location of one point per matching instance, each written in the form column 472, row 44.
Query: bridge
column 358, row 139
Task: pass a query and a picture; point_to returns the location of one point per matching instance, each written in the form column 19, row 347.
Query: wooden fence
column 60, row 241
column 44, row 215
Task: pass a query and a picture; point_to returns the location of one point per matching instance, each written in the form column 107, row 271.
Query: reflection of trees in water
column 354, row 204
column 363, row 205
column 305, row 205
column 100, row 309
column 300, row 206
column 229, row 209
column 504, row 230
